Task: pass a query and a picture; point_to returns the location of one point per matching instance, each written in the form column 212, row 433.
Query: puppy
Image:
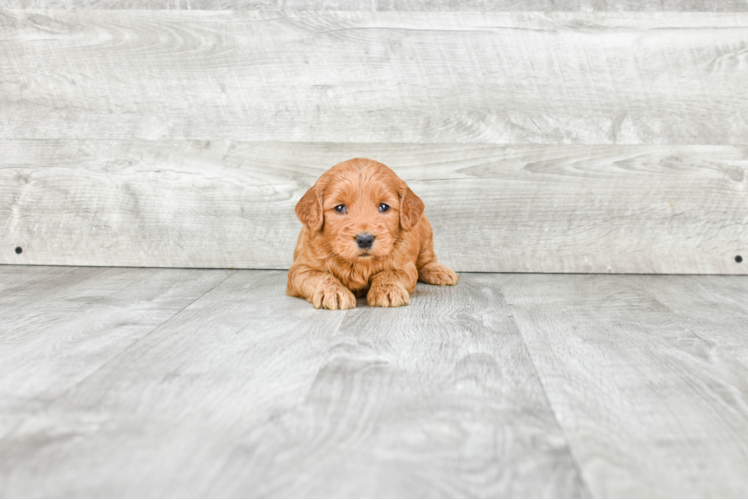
column 364, row 234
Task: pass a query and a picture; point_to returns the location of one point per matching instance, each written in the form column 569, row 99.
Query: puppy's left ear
column 411, row 209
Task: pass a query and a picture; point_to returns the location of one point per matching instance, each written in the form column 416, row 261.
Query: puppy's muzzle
column 365, row 240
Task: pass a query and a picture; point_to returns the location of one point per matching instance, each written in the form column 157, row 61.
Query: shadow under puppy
column 364, row 234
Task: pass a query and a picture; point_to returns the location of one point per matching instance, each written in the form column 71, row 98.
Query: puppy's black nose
column 365, row 240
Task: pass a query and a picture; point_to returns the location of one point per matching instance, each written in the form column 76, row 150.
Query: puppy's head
column 360, row 206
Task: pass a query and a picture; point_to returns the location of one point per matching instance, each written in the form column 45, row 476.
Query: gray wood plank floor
column 153, row 382
column 647, row 404
column 59, row 325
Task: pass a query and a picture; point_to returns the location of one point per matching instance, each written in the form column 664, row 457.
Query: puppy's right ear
column 309, row 209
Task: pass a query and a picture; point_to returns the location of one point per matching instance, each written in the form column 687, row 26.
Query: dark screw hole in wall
column 19, row 250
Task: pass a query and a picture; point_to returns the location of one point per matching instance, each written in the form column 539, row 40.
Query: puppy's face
column 361, row 207
column 362, row 214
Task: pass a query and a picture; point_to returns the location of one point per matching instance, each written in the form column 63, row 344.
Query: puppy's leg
column 436, row 273
column 318, row 287
column 429, row 269
column 392, row 288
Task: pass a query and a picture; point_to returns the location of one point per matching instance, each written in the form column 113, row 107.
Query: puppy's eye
column 340, row 209
column 383, row 207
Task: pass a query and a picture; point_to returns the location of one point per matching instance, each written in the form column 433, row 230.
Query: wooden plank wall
column 395, row 5
column 554, row 140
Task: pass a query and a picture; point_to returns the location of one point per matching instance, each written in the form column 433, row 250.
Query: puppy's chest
column 356, row 279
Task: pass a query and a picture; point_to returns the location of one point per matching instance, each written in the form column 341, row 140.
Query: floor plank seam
column 582, row 483
column 64, row 393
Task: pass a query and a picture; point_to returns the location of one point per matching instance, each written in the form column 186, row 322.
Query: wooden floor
column 169, row 382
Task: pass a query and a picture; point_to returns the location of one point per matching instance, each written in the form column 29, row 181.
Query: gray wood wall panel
column 183, row 138
column 620, row 209
column 437, row 399
column 650, row 408
column 394, row 5
column 429, row 77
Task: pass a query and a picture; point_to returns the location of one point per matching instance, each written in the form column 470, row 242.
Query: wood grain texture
column 611, row 209
column 651, row 408
column 59, row 325
column 393, row 5
column 249, row 393
column 716, row 309
column 426, row 77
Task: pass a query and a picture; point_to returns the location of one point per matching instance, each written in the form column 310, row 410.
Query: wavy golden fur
column 364, row 233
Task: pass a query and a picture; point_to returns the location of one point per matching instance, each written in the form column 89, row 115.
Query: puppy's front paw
column 394, row 295
column 437, row 274
column 333, row 297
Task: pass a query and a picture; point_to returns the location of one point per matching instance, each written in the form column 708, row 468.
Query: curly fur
column 329, row 268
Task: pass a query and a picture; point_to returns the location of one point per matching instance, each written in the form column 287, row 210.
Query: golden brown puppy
column 364, row 234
